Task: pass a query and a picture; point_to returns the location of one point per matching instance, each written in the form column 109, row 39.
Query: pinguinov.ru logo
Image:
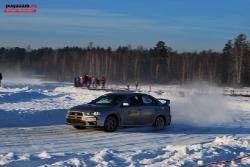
column 20, row 8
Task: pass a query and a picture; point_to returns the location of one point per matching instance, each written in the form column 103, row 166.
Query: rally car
column 114, row 110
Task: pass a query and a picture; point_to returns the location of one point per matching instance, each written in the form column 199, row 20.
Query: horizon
column 112, row 48
column 184, row 26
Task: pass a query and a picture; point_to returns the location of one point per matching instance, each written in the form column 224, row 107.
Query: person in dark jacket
column 136, row 85
column 103, row 82
column 75, row 81
column 89, row 81
column 85, row 80
column 97, row 82
column 1, row 77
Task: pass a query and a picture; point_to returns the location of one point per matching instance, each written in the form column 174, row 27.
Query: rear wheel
column 159, row 123
column 79, row 127
column 111, row 124
column 168, row 120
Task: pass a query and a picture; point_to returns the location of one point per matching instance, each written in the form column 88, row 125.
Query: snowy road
column 205, row 129
column 62, row 138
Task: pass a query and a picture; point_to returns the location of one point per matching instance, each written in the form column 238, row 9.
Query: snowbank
column 223, row 148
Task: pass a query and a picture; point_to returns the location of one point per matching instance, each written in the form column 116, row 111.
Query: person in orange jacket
column 81, row 81
column 94, row 82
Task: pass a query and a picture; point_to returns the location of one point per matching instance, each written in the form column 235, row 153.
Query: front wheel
column 159, row 123
column 111, row 124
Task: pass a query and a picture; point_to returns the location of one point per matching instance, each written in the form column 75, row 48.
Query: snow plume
column 21, row 77
column 202, row 105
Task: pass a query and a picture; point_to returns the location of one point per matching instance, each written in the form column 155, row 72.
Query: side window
column 104, row 100
column 148, row 101
column 134, row 101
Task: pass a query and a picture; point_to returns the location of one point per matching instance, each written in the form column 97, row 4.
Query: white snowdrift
column 221, row 149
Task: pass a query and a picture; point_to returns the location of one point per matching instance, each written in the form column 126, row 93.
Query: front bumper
column 78, row 119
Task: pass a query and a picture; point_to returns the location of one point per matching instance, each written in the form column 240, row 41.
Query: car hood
column 90, row 107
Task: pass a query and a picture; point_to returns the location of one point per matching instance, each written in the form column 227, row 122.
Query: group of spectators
column 90, row 82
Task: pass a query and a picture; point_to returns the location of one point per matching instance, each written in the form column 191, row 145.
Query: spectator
column 97, row 82
column 136, row 85
column 1, row 77
column 89, row 81
column 93, row 82
column 103, row 82
column 77, row 81
column 81, row 81
column 85, row 80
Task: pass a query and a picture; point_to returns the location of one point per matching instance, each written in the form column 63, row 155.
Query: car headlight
column 96, row 113
column 86, row 113
column 91, row 113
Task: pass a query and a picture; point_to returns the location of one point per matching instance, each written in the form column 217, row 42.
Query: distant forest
column 160, row 64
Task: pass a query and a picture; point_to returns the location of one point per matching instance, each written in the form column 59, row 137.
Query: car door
column 131, row 114
column 149, row 107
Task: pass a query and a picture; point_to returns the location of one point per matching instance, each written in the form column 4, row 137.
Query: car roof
column 126, row 93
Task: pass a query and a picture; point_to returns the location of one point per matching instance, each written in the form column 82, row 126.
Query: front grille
column 79, row 114
column 80, row 118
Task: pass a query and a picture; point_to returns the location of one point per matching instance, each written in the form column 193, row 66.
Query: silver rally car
column 121, row 109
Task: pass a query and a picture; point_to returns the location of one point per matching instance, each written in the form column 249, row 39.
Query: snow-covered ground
column 207, row 127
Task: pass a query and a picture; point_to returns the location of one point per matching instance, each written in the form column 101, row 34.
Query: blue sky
column 185, row 25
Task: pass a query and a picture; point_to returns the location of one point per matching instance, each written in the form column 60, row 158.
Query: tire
column 168, row 120
column 159, row 123
column 79, row 127
column 111, row 124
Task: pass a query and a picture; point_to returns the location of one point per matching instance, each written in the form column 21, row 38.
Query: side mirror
column 125, row 104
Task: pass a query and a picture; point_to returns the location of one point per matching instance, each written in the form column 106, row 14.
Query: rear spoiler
column 164, row 101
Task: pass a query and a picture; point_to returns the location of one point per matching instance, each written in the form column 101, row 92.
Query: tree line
column 160, row 64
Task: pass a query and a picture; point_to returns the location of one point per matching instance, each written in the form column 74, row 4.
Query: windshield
column 109, row 100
